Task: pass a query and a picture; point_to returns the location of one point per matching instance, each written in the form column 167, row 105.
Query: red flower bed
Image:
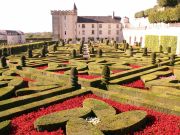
column 89, row 76
column 157, row 123
column 136, row 84
column 117, row 71
column 42, row 67
column 28, row 79
column 134, row 66
column 60, row 72
column 66, row 62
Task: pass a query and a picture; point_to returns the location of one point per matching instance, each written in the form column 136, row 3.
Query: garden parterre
column 49, row 86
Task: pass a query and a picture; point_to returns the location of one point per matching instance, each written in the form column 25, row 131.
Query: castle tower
column 64, row 24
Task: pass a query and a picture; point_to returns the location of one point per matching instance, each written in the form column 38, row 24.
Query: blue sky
column 34, row 15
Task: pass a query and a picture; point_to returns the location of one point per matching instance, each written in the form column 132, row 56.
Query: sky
column 35, row 16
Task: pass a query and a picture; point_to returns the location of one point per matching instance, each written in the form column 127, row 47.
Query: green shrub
column 153, row 58
column 79, row 126
column 152, row 42
column 105, row 76
column 30, row 55
column 100, row 52
column 165, row 3
column 55, row 120
column 23, row 61
column 74, row 78
column 139, row 14
column 169, row 41
column 3, row 63
column 73, row 53
column 5, row 127
column 145, row 51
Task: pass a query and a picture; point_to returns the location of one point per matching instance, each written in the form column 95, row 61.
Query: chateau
column 68, row 25
column 11, row 37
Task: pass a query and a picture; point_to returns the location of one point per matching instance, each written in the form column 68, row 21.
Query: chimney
column 113, row 15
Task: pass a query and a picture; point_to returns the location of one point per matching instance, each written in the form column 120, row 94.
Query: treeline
column 167, row 11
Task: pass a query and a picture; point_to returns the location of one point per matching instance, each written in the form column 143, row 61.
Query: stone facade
column 11, row 37
column 67, row 24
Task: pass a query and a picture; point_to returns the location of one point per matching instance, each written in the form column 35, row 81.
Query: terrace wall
column 138, row 35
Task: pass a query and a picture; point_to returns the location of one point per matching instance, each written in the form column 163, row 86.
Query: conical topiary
column 107, row 41
column 160, row 49
column 100, row 52
column 105, row 77
column 131, row 51
column 169, row 49
column 73, row 53
column 43, row 52
column 23, row 61
column 92, row 50
column 55, row 47
column 172, row 59
column 29, row 51
column 74, row 78
column 116, row 46
column 145, row 51
column 3, row 62
column 153, row 58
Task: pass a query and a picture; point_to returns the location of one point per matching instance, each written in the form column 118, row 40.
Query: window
column 79, row 32
column 65, row 32
column 117, row 26
column 100, row 32
column 83, row 38
column 109, row 26
column 83, row 32
column 117, row 32
column 79, row 25
column 83, row 25
column 92, row 32
column 100, row 25
column 92, row 25
column 109, row 32
column 64, row 17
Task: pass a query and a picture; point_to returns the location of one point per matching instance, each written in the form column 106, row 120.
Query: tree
column 105, row 77
column 3, row 62
column 74, row 78
column 165, row 3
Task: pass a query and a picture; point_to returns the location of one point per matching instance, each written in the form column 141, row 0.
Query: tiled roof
column 98, row 19
column 11, row 32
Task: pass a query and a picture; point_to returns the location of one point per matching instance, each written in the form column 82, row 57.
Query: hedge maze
column 40, row 75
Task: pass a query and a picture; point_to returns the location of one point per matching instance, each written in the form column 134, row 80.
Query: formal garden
column 104, row 88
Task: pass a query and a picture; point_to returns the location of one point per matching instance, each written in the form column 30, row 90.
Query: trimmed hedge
column 123, row 123
column 168, row 41
column 58, row 119
column 152, row 42
column 79, row 126
column 165, row 108
column 6, row 92
column 5, row 127
column 15, row 102
column 31, row 106
column 100, row 108
column 32, row 90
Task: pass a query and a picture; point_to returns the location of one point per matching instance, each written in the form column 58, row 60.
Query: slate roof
column 98, row 19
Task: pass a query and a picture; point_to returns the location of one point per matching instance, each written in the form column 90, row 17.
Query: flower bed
column 117, row 71
column 89, row 76
column 60, row 72
column 134, row 66
column 42, row 67
column 157, row 123
column 136, row 84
